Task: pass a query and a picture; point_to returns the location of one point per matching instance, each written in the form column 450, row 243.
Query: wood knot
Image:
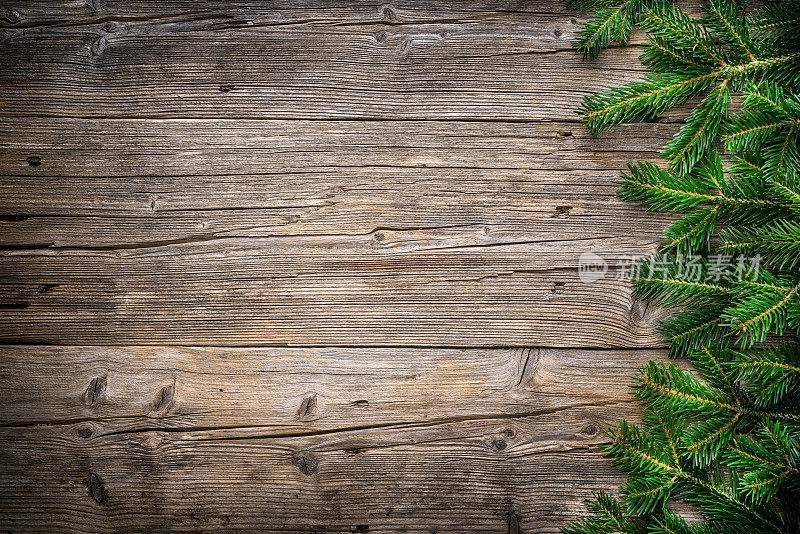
column 388, row 14
column 361, row 529
column 508, row 432
column 499, row 444
column 164, row 398
column 45, row 288
column 360, row 402
column 558, row 288
column 308, row 407
column 98, row 46
column 11, row 16
column 97, row 490
column 95, row 391
column 513, row 522
column 562, row 212
column 85, row 432
column 528, row 361
column 557, row 32
column 34, row 161
column 226, row 88
column 150, row 441
column 641, row 313
column 306, row 462
column 590, row 430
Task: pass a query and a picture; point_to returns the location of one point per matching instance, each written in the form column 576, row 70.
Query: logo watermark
column 691, row 267
column 591, row 267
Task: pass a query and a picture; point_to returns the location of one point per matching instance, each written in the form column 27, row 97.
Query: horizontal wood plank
column 33, row 13
column 322, row 291
column 142, row 439
column 279, row 391
column 256, row 60
column 197, row 147
column 413, row 208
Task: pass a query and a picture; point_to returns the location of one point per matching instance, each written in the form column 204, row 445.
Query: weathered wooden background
column 309, row 266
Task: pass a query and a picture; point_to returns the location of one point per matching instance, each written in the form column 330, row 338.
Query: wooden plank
column 416, row 208
column 322, row 291
column 156, row 482
column 433, row 61
column 32, row 13
column 203, row 147
column 106, row 390
column 278, row 440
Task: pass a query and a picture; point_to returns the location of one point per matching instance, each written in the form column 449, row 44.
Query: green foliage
column 722, row 430
column 709, row 57
column 613, row 21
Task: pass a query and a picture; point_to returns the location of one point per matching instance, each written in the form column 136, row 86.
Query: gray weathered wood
column 248, row 60
column 197, row 147
column 353, row 253
column 324, row 291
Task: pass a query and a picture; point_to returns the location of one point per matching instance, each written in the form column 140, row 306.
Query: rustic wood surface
column 310, row 266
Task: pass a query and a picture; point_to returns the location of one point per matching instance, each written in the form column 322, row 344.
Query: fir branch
column 696, row 138
column 725, row 436
column 759, row 313
column 730, row 27
column 613, row 21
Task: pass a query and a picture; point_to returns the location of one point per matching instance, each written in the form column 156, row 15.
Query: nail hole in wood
column 562, row 211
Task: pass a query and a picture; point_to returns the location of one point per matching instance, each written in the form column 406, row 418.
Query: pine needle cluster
column 723, row 434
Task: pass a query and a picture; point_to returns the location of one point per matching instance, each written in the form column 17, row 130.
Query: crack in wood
column 399, row 425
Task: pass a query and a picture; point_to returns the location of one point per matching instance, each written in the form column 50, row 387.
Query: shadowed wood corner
column 310, row 267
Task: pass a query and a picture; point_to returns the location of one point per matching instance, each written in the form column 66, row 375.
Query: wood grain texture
column 340, row 233
column 267, row 266
column 197, row 147
column 412, row 60
column 315, row 291
column 143, row 439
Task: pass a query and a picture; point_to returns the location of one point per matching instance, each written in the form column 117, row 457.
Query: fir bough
column 724, row 435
